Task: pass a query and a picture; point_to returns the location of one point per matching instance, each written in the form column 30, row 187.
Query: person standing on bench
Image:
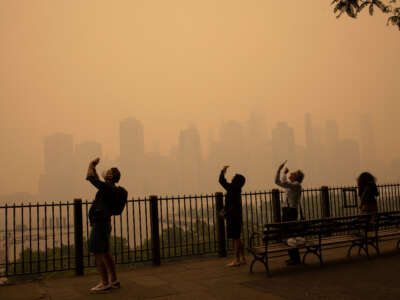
column 290, row 202
column 233, row 213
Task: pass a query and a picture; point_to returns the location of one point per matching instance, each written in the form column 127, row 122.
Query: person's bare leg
column 236, row 246
column 100, row 258
column 237, row 250
column 243, row 260
column 110, row 264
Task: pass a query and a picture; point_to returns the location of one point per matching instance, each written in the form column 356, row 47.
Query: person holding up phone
column 291, row 202
column 233, row 213
column 100, row 226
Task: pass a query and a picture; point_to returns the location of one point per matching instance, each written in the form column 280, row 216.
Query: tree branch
column 353, row 7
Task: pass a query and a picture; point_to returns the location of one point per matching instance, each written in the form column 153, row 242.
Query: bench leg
column 263, row 260
column 352, row 246
column 376, row 247
column 316, row 252
column 266, row 265
column 363, row 247
column 398, row 244
column 252, row 264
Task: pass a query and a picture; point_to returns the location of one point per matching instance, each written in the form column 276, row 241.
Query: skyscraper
column 132, row 159
column 283, row 145
column 131, row 140
column 310, row 159
column 57, row 182
column 231, row 146
column 347, row 167
column 84, row 153
column 189, row 160
column 332, row 154
column 367, row 143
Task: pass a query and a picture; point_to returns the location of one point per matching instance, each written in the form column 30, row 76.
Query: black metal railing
column 52, row 237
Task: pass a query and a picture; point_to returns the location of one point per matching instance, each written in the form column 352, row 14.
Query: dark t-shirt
column 233, row 199
column 369, row 194
column 100, row 211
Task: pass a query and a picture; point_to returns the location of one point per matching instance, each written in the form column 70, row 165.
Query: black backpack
column 121, row 197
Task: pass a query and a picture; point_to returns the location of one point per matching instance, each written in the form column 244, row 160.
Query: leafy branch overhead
column 353, row 7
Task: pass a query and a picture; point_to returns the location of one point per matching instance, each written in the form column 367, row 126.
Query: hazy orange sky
column 81, row 66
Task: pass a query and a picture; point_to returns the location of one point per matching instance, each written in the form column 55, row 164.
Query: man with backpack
column 110, row 200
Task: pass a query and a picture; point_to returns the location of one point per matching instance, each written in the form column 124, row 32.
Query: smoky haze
column 170, row 91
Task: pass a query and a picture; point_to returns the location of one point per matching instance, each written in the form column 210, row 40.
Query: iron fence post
column 276, row 205
column 325, row 206
column 78, row 234
column 155, row 234
column 219, row 205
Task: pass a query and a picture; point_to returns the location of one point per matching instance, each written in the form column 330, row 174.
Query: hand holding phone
column 282, row 165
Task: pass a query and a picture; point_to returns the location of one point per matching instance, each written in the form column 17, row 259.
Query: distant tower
column 332, row 154
column 190, row 160
column 84, row 153
column 308, row 132
column 310, row 161
column 332, row 133
column 347, row 166
column 256, row 127
column 231, row 149
column 132, row 158
column 57, row 182
column 283, row 146
column 131, row 140
column 367, row 143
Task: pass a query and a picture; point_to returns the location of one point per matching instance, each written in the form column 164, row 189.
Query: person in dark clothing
column 100, row 223
column 233, row 213
column 367, row 191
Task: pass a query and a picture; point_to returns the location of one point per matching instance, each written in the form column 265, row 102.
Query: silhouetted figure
column 233, row 213
column 100, row 222
column 290, row 202
column 367, row 191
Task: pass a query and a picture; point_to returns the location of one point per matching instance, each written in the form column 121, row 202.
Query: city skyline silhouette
column 326, row 157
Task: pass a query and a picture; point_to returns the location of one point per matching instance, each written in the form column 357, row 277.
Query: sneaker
column 115, row 285
column 100, row 288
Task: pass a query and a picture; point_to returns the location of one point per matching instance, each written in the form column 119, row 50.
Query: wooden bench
column 355, row 231
column 388, row 227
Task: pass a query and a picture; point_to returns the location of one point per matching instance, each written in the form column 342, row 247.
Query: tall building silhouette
column 232, row 144
column 84, row 153
column 132, row 158
column 57, row 182
column 190, row 160
column 347, row 167
column 283, row 145
column 257, row 154
column 310, row 159
column 131, row 140
column 367, row 143
column 332, row 154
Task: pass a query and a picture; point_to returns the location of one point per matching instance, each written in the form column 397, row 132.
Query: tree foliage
column 353, row 7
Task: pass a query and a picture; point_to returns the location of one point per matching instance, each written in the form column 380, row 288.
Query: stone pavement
column 208, row 278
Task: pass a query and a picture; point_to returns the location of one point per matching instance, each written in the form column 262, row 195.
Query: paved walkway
column 208, row 278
